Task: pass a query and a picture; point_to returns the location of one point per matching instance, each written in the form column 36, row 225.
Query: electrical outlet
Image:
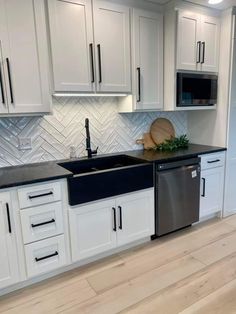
column 25, row 143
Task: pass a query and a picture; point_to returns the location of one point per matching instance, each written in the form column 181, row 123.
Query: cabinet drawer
column 41, row 222
column 212, row 160
column 45, row 255
column 39, row 194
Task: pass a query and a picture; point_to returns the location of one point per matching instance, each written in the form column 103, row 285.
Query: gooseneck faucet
column 88, row 142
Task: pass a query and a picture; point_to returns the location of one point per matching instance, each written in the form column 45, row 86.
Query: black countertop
column 46, row 171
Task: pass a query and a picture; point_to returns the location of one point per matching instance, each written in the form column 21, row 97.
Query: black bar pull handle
column 114, row 219
column 203, row 52
column 92, row 63
column 139, row 84
column 1, row 84
column 99, row 64
column 8, row 218
column 121, row 222
column 9, row 78
column 40, row 195
column 204, row 187
column 43, row 223
column 213, row 161
column 199, row 44
column 38, row 259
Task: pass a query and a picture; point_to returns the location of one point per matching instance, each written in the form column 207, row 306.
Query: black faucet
column 88, row 143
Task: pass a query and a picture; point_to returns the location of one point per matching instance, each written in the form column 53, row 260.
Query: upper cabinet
column 197, row 42
column 82, row 62
column 24, row 83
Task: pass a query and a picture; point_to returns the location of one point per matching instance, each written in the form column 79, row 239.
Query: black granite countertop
column 46, row 171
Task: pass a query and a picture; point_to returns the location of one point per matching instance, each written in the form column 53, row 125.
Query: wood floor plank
column 156, row 256
column 183, row 294
column 117, row 299
column 223, row 301
column 217, row 250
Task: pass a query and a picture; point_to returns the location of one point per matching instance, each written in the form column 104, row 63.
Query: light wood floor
column 192, row 271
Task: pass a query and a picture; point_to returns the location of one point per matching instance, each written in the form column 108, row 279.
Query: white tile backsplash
column 53, row 135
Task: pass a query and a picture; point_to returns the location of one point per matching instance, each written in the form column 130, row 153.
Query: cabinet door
column 135, row 216
column 112, row 40
column 9, row 273
column 92, row 229
column 148, row 59
column 188, row 40
column 212, row 183
column 72, row 47
column 25, row 56
column 210, row 34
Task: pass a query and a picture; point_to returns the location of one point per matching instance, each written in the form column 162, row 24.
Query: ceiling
column 223, row 5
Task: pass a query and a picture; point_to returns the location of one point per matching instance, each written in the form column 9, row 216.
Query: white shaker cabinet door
column 148, row 60
column 188, row 41
column 71, row 35
column 210, row 43
column 25, row 56
column 112, row 45
column 9, row 273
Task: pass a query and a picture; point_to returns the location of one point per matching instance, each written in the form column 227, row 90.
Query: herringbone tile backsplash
column 52, row 135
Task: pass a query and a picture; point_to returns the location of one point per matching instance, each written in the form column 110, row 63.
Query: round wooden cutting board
column 162, row 129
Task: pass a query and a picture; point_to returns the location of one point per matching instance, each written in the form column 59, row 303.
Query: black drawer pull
column 38, row 259
column 43, row 223
column 139, row 84
column 121, row 223
column 213, row 161
column 204, row 187
column 99, row 64
column 40, row 195
column 199, row 43
column 8, row 218
column 9, row 78
column 1, row 84
column 114, row 218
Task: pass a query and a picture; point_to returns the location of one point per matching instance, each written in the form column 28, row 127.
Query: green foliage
column 173, row 144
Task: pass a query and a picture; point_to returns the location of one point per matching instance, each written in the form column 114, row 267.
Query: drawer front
column 41, row 222
column 212, row 160
column 45, row 256
column 39, row 194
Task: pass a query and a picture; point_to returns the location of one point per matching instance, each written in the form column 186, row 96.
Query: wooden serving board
column 162, row 129
column 146, row 141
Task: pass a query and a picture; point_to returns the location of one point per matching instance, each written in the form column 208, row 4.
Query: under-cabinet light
column 214, row 1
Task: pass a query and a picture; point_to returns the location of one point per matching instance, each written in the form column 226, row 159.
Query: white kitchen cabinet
column 82, row 62
column 104, row 225
column 197, row 42
column 112, row 41
column 148, row 59
column 24, row 57
column 212, row 184
column 92, row 229
column 72, row 47
column 9, row 272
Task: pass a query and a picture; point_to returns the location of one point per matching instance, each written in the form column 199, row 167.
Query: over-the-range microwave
column 195, row 90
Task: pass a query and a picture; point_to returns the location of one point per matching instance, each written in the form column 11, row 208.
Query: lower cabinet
column 9, row 272
column 212, row 185
column 104, row 225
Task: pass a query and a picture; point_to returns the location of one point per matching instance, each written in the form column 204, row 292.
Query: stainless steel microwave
column 195, row 90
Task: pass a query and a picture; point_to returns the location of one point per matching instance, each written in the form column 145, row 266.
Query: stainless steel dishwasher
column 177, row 195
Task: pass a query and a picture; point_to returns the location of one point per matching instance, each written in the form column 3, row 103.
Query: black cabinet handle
column 204, row 187
column 43, row 223
column 139, row 84
column 203, row 52
column 92, row 63
column 38, row 259
column 199, row 43
column 99, row 64
column 40, row 195
column 9, row 77
column 8, row 218
column 1, row 84
column 114, row 219
column 121, row 224
column 213, row 161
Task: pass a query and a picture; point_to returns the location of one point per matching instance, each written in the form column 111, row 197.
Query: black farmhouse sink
column 102, row 177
